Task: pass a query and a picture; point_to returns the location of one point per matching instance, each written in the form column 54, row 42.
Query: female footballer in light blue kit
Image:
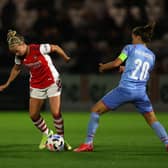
column 132, row 87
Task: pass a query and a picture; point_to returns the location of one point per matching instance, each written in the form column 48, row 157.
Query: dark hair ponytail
column 146, row 32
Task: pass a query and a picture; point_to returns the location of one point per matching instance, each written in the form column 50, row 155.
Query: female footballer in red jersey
column 44, row 81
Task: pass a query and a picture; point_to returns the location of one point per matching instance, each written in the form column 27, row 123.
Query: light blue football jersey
column 140, row 61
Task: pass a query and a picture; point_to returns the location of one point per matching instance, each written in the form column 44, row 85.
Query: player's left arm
column 60, row 51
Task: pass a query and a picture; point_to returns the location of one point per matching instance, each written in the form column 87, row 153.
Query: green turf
column 123, row 140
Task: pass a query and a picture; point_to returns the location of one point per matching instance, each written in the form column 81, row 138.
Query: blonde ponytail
column 14, row 39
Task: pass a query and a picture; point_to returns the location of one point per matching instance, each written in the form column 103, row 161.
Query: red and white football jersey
column 42, row 71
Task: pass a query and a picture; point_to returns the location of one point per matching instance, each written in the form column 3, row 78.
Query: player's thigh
column 55, row 103
column 99, row 107
column 116, row 97
column 54, row 90
column 38, row 93
column 143, row 104
column 54, row 94
column 35, row 106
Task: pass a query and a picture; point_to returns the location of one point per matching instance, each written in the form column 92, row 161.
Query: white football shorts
column 51, row 91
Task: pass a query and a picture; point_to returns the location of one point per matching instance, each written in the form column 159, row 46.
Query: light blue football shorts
column 120, row 95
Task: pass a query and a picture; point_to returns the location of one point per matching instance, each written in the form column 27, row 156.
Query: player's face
column 19, row 50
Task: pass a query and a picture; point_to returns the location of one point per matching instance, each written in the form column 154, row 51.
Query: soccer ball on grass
column 55, row 143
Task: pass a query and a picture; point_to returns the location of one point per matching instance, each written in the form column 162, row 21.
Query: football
column 55, row 143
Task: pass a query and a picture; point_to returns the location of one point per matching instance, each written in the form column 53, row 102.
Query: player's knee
column 93, row 109
column 34, row 117
column 96, row 109
column 57, row 114
column 150, row 117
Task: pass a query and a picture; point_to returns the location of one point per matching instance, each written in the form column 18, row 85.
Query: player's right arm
column 13, row 74
column 117, row 62
column 110, row 65
column 121, row 69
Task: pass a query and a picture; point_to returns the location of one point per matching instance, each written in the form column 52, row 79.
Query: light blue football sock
column 160, row 131
column 92, row 127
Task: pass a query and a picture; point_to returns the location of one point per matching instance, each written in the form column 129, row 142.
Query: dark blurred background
column 90, row 31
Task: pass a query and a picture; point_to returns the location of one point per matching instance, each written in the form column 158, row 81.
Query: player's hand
column 121, row 69
column 3, row 87
column 67, row 59
column 101, row 67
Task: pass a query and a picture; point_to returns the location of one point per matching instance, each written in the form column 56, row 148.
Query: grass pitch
column 123, row 140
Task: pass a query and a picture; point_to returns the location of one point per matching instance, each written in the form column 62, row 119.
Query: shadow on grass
column 132, row 151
